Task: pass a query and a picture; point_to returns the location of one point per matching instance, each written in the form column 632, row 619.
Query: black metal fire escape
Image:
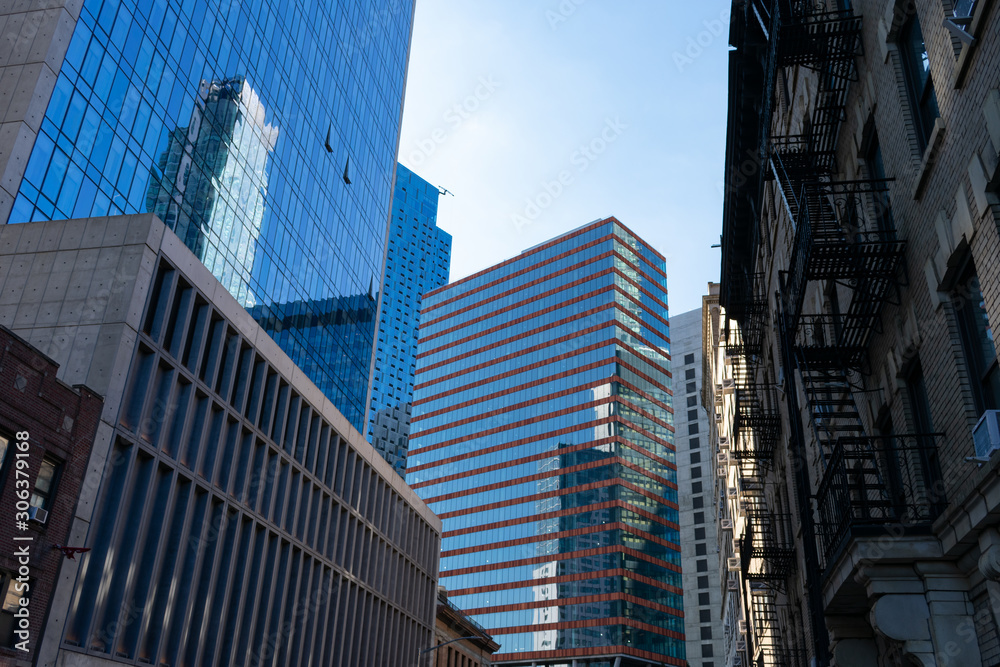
column 832, row 243
column 844, row 240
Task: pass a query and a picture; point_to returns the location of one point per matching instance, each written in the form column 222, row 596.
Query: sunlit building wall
column 696, row 470
column 542, row 435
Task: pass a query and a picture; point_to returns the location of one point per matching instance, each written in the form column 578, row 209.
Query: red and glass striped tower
column 542, row 436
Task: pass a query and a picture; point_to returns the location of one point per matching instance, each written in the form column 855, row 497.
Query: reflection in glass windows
column 542, row 435
column 210, row 183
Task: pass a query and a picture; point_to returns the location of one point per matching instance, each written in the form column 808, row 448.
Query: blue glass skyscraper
column 263, row 133
column 417, row 260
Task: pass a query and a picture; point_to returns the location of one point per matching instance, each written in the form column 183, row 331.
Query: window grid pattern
column 418, row 259
column 554, row 470
column 234, row 523
column 233, row 123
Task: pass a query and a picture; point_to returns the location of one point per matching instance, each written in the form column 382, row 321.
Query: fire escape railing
column 874, row 482
column 756, row 425
column 843, row 233
column 767, row 548
column 771, row 642
column 835, row 239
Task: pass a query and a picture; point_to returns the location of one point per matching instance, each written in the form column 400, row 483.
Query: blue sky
column 543, row 115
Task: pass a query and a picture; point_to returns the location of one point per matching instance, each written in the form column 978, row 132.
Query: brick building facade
column 855, row 353
column 58, row 423
column 459, row 640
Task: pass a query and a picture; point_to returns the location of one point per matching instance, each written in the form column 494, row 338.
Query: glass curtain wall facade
column 418, row 260
column 542, row 436
column 264, row 134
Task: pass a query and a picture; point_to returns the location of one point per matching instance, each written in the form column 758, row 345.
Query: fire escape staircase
column 830, row 244
column 771, row 645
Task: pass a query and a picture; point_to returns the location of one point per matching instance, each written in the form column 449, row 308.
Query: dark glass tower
column 264, row 134
column 542, row 436
column 418, row 260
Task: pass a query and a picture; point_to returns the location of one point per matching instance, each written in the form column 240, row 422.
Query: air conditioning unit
column 741, row 627
column 726, row 524
column 733, row 564
column 986, row 435
column 732, row 584
column 37, row 514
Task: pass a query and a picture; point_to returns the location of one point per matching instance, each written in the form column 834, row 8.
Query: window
column 692, row 401
column 695, row 457
column 916, row 390
column 692, row 415
column 693, row 428
column 704, row 598
column 695, row 487
column 691, row 388
column 700, row 549
column 962, row 18
column 703, row 582
column 876, row 171
column 704, row 615
column 4, row 446
column 695, row 472
column 699, row 533
column 702, row 565
column 977, row 342
column 10, row 596
column 930, row 468
column 706, row 649
column 706, row 633
column 45, row 484
column 688, row 358
column 699, row 517
column 917, row 68
column 689, row 374
column 698, row 502
column 695, row 443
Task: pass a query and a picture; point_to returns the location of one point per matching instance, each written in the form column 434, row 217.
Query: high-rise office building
column 542, row 436
column 418, row 260
column 696, row 492
column 263, row 134
column 232, row 515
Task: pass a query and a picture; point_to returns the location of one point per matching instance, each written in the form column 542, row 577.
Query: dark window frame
column 919, row 82
column 47, row 497
column 970, row 313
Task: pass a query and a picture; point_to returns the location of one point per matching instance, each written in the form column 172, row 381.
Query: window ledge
column 975, row 28
column 929, row 158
